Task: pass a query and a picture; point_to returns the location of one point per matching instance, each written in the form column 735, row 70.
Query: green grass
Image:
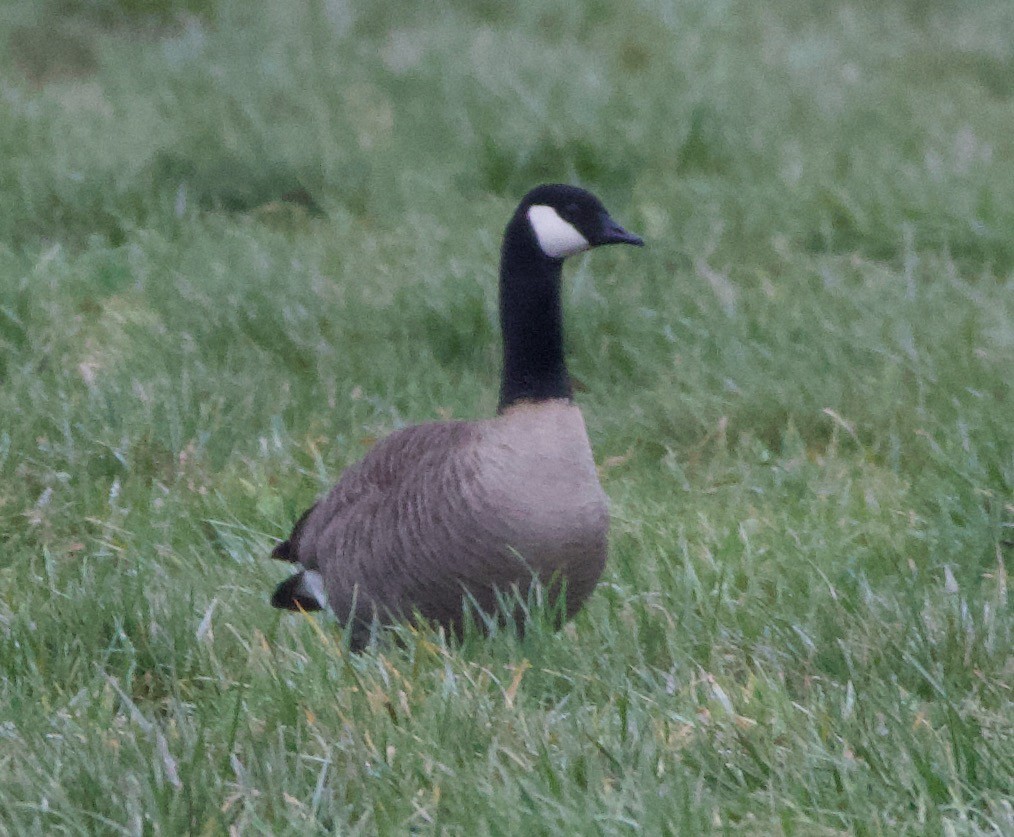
column 240, row 240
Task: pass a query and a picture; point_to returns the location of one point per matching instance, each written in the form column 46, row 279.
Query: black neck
column 531, row 319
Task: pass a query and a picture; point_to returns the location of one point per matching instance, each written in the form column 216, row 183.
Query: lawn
column 240, row 240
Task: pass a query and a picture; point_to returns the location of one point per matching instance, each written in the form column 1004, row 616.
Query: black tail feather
column 285, row 551
column 290, row 595
column 288, row 550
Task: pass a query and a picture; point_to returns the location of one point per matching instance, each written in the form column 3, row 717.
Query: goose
column 444, row 516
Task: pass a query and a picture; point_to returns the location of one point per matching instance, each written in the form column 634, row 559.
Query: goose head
column 564, row 220
column 552, row 222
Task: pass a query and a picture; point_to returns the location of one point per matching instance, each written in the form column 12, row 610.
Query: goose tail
column 288, row 550
column 302, row 591
column 285, row 551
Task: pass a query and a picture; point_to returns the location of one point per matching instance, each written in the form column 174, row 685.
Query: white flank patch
column 312, row 586
column 556, row 237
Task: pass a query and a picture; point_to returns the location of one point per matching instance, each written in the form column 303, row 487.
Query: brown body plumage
column 442, row 510
column 441, row 517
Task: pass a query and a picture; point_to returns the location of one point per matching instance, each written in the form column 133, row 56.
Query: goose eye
column 571, row 210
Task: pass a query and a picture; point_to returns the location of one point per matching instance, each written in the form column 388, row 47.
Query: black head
column 565, row 220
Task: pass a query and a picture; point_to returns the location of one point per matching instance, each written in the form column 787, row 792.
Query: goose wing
column 397, row 466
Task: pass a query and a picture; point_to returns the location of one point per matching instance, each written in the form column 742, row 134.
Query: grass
column 239, row 241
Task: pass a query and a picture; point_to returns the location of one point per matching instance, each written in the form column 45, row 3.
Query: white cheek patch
column 556, row 237
column 311, row 585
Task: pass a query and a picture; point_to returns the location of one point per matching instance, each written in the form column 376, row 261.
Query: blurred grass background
column 240, row 240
